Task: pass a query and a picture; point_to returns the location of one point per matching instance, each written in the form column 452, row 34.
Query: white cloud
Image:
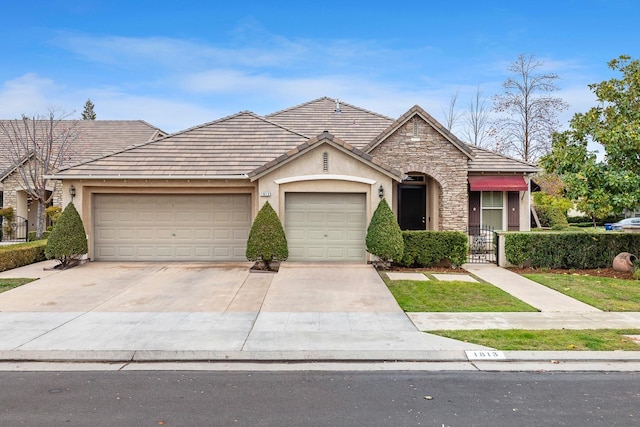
column 28, row 94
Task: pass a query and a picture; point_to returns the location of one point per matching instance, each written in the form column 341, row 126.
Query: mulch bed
column 599, row 272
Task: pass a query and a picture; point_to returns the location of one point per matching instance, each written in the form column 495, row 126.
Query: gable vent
column 325, row 162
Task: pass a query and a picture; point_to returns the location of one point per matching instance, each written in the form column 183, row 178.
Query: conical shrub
column 384, row 237
column 267, row 241
column 68, row 240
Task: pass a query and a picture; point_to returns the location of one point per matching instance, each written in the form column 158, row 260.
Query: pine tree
column 68, row 239
column 88, row 113
column 384, row 237
column 267, row 241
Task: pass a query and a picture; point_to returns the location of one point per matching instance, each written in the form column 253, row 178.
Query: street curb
column 141, row 356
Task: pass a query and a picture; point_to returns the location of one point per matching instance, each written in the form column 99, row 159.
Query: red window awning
column 497, row 183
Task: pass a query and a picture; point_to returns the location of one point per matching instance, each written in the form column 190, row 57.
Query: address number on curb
column 484, row 355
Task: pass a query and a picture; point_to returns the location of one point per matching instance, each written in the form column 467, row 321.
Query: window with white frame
column 492, row 209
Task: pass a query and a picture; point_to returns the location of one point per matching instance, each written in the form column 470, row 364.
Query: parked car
column 625, row 223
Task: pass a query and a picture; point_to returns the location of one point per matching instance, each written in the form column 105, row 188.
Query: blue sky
column 179, row 66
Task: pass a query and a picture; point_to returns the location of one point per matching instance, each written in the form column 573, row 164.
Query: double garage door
column 326, row 226
column 148, row 227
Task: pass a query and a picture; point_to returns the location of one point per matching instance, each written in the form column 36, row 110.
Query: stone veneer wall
column 432, row 154
column 11, row 186
column 10, row 189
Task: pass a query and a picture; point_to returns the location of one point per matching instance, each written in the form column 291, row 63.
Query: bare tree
column 529, row 114
column 476, row 119
column 451, row 114
column 36, row 147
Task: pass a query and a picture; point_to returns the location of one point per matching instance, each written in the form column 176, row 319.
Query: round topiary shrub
column 68, row 240
column 267, row 241
column 384, row 237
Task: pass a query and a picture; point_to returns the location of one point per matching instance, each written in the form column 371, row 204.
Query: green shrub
column 384, row 237
column 14, row 256
column 32, row 236
column 68, row 240
column 53, row 212
column 427, row 248
column 267, row 241
column 551, row 216
column 578, row 250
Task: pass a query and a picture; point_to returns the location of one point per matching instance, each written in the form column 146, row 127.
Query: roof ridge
column 297, row 106
column 332, row 100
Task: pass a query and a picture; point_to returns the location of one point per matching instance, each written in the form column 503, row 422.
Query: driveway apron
column 201, row 307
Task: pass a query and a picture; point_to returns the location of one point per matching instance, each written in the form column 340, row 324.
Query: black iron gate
column 14, row 231
column 482, row 245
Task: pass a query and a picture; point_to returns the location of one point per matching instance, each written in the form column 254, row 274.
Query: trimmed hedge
column 428, row 248
column 14, row 256
column 579, row 250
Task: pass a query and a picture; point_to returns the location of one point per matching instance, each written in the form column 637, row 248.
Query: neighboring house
column 95, row 138
column 322, row 165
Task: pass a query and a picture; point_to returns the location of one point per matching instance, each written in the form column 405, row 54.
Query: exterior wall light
column 381, row 191
column 72, row 191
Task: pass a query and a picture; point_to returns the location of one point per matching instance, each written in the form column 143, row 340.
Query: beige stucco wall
column 305, row 173
column 432, row 154
column 85, row 189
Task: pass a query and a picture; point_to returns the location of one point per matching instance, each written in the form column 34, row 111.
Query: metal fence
column 14, row 231
column 482, row 245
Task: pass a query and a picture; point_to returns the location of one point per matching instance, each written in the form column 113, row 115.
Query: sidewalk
column 305, row 336
column 557, row 311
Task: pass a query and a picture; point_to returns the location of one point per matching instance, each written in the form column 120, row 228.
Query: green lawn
column 441, row 296
column 6, row 284
column 548, row 340
column 604, row 293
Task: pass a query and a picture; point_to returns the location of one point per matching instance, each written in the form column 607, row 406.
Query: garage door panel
column 169, row 227
column 325, row 226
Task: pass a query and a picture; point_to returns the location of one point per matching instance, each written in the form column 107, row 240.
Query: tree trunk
column 40, row 219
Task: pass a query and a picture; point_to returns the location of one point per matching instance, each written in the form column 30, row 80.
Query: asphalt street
column 250, row 398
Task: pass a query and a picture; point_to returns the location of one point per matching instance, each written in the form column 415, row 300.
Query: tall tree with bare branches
column 476, row 120
column 37, row 146
column 528, row 111
column 451, row 114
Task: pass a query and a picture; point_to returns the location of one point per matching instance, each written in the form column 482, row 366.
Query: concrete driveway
column 176, row 309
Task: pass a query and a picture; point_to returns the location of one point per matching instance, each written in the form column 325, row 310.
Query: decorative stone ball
column 624, row 262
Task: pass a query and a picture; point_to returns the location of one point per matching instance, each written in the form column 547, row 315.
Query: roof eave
column 154, row 177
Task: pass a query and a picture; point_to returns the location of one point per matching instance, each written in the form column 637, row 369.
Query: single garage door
column 171, row 227
column 326, row 226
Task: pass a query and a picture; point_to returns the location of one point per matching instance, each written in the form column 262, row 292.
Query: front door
column 412, row 209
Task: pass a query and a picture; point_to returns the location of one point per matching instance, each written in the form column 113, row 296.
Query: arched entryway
column 418, row 202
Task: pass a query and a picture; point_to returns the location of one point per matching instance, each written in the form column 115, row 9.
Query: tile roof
column 485, row 160
column 336, row 142
column 246, row 144
column 353, row 124
column 95, row 138
column 231, row 146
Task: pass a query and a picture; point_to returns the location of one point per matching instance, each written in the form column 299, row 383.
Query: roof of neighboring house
column 325, row 137
column 485, row 160
column 231, row 146
column 95, row 138
column 353, row 124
